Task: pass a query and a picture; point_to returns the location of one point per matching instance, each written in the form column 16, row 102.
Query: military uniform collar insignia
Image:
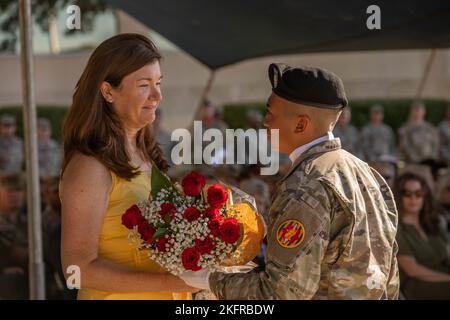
column 326, row 146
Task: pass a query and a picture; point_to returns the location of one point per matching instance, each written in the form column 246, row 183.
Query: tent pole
column 35, row 255
column 426, row 72
column 205, row 94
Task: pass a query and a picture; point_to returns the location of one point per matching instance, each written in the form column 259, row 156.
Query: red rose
column 161, row 244
column 142, row 227
column 190, row 258
column 205, row 246
column 168, row 208
column 211, row 213
column 214, row 226
column 216, row 196
column 193, row 183
column 147, row 234
column 191, row 214
column 230, row 231
column 132, row 217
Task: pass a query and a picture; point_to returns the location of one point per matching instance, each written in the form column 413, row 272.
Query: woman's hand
column 179, row 284
column 179, row 188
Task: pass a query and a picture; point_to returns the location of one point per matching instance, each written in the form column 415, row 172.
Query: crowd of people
column 416, row 167
column 13, row 211
column 414, row 162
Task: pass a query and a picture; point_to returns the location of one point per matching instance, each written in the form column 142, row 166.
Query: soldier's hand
column 197, row 279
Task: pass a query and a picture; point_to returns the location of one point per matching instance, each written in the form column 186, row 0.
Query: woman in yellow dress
column 108, row 152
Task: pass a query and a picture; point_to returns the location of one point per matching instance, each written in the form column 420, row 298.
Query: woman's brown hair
column 91, row 126
column 429, row 215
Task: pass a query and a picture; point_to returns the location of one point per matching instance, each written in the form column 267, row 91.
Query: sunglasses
column 409, row 194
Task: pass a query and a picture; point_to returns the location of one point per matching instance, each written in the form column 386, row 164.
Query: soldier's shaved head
column 322, row 120
column 298, row 124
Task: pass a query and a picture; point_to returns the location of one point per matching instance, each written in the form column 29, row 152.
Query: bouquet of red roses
column 188, row 230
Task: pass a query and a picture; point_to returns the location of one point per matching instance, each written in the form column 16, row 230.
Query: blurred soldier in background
column 210, row 117
column 50, row 154
column 387, row 169
column 51, row 226
column 418, row 139
column 13, row 238
column 377, row 138
column 11, row 147
column 162, row 136
column 444, row 134
column 348, row 134
column 443, row 196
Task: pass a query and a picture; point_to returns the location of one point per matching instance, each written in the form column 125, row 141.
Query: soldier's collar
column 322, row 147
column 300, row 150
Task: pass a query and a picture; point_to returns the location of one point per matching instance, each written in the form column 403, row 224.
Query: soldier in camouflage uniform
column 377, row 138
column 347, row 133
column 13, row 223
column 50, row 154
column 444, row 133
column 333, row 221
column 418, row 139
column 13, row 238
column 11, row 147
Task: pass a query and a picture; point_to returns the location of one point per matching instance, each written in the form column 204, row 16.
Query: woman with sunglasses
column 424, row 252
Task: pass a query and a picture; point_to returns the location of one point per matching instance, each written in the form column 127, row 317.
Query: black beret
column 309, row 86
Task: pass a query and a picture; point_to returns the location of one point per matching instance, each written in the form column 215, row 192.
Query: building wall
column 376, row 74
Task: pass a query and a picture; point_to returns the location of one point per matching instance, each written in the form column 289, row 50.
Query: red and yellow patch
column 290, row 234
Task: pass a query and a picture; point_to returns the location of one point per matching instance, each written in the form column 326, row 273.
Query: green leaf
column 203, row 198
column 160, row 225
column 160, row 232
column 238, row 243
column 167, row 219
column 158, row 181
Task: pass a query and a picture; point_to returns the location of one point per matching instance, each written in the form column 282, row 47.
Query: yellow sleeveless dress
column 115, row 246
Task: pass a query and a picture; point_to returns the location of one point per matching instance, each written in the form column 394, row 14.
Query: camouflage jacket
column 11, row 155
column 418, row 142
column 331, row 234
column 50, row 156
column 350, row 138
column 444, row 133
column 377, row 141
column 13, row 235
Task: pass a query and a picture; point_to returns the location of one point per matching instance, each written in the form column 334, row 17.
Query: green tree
column 44, row 12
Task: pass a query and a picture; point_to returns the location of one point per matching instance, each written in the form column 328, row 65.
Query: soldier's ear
column 303, row 123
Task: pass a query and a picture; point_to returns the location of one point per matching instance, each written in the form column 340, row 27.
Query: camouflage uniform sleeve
column 391, row 140
column 402, row 143
column 366, row 147
column 297, row 240
column 442, row 147
column 393, row 283
column 436, row 143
